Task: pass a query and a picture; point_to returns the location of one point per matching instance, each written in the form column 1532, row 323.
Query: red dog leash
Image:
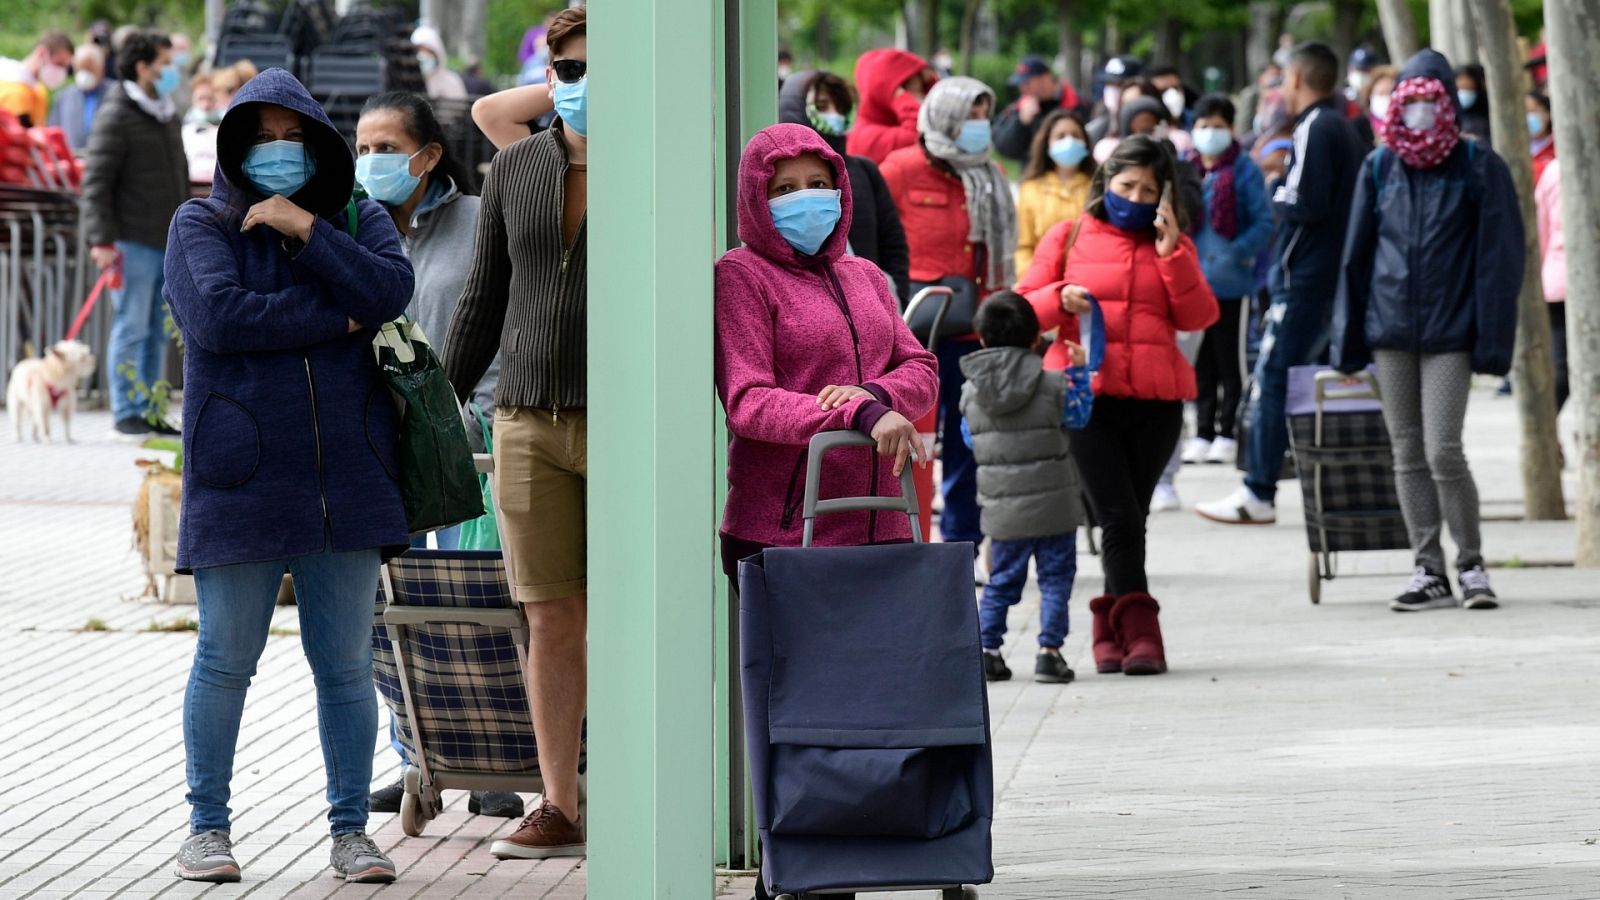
column 112, row 278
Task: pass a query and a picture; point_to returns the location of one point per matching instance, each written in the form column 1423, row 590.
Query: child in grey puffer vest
column 1028, row 487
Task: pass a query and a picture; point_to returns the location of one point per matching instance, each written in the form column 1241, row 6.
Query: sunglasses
column 570, row 71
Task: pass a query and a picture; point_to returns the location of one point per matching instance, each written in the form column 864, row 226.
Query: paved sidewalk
column 1293, row 752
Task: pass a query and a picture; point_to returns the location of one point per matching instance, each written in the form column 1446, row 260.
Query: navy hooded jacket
column 1433, row 262
column 1312, row 203
column 289, row 433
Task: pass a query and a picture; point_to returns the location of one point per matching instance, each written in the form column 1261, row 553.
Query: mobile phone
column 1166, row 201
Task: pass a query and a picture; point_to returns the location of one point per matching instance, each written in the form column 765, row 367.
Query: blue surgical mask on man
column 1212, row 142
column 572, row 104
column 167, row 81
column 806, row 218
column 1129, row 215
column 974, row 136
column 1068, row 152
column 387, row 178
column 279, row 167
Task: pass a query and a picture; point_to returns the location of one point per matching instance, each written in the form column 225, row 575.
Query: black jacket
column 1433, row 262
column 1312, row 204
column 875, row 231
column 135, row 175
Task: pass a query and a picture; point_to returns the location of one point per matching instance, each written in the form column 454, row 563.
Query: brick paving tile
column 1293, row 752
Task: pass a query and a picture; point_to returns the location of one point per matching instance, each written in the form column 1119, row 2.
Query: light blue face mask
column 167, row 81
column 806, row 218
column 1212, row 142
column 1535, row 125
column 834, row 123
column 1466, row 98
column 572, row 104
column 974, row 136
column 387, row 178
column 279, row 167
column 1068, row 152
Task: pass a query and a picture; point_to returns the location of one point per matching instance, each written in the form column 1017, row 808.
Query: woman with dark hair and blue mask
column 278, row 281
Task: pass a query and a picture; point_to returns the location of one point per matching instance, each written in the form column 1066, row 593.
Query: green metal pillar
column 668, row 79
column 652, row 434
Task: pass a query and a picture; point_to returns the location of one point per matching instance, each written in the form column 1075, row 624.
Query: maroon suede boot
column 1107, row 647
column 1136, row 622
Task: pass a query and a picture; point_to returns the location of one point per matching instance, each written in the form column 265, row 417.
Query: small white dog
column 40, row 385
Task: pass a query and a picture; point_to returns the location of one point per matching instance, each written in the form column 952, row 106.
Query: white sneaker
column 1242, row 507
column 980, row 572
column 1195, row 450
column 1223, row 451
column 1165, row 499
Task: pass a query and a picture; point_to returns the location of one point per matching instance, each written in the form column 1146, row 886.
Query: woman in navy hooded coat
column 289, row 440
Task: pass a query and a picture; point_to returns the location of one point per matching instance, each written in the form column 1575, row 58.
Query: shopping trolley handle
column 945, row 295
column 1335, row 385
column 834, row 440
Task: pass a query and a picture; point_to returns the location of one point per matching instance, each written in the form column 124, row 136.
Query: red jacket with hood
column 1146, row 300
column 788, row 326
column 885, row 121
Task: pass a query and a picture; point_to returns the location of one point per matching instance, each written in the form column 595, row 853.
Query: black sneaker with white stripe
column 1426, row 591
column 1475, row 590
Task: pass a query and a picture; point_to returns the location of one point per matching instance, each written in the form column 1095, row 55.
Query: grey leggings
column 1425, row 405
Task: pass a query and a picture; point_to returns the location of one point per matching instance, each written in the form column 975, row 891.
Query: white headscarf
column 989, row 207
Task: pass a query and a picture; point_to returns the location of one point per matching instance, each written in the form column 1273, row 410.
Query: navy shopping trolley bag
column 866, row 713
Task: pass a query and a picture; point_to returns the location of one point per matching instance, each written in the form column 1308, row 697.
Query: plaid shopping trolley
column 1342, row 452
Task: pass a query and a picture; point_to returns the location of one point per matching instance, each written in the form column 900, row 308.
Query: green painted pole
column 652, row 431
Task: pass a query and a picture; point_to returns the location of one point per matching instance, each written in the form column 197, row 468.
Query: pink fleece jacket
column 1552, row 237
column 788, row 326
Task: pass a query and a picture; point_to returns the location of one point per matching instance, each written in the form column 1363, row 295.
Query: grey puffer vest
column 1027, row 483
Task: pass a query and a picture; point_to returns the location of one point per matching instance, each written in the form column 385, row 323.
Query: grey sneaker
column 1475, row 590
column 207, row 856
column 357, row 859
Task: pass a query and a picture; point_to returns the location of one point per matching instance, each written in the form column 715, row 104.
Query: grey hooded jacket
column 1027, row 483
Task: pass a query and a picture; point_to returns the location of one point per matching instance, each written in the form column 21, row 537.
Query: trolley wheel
column 1314, row 578
column 412, row 821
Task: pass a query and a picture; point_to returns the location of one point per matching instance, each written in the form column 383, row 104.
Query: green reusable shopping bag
column 438, row 480
column 482, row 533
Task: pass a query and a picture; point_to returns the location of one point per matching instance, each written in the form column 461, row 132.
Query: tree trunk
column 1532, row 369
column 928, row 26
column 1112, row 42
column 1399, row 29
column 1572, row 28
column 473, row 40
column 1346, row 23
column 969, row 35
column 1071, row 42
column 1468, row 33
column 824, row 34
column 1261, row 39
column 1441, row 28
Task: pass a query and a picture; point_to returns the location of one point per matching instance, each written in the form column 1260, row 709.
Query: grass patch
column 1515, row 562
column 95, row 625
column 176, row 625
column 284, row 632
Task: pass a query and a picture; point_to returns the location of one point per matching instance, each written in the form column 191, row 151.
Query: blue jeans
column 138, row 327
column 1058, row 567
column 1297, row 332
column 959, row 521
column 335, row 593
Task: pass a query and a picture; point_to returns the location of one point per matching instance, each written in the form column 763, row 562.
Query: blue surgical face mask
column 279, row 167
column 572, row 104
column 1212, row 141
column 1068, row 152
column 830, row 123
column 167, row 81
column 387, row 178
column 1535, row 125
column 180, row 58
column 1466, row 98
column 806, row 218
column 1129, row 215
column 974, row 136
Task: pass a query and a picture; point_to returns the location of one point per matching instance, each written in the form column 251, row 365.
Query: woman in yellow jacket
column 1055, row 184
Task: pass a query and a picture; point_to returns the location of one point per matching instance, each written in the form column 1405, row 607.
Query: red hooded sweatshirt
column 789, row 326
column 885, row 121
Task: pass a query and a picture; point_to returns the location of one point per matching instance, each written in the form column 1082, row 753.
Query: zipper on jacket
column 316, row 435
column 790, row 505
column 837, row 291
column 1288, row 251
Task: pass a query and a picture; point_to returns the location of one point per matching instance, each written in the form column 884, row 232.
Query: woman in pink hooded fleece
column 809, row 342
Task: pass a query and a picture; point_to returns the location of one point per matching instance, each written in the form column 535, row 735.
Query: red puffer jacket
column 1146, row 301
column 933, row 210
column 886, row 120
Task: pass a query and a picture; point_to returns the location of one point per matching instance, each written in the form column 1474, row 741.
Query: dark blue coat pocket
column 225, row 449
column 923, row 792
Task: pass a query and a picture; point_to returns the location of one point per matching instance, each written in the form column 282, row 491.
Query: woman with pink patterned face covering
column 1427, row 292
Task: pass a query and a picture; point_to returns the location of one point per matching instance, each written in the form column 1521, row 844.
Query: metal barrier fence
column 44, row 275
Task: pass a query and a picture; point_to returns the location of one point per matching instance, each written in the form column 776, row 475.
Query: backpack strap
column 1382, row 162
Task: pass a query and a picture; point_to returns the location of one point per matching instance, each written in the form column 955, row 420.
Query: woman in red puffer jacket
column 1128, row 251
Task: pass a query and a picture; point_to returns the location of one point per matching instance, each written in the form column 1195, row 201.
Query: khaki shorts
column 541, row 467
